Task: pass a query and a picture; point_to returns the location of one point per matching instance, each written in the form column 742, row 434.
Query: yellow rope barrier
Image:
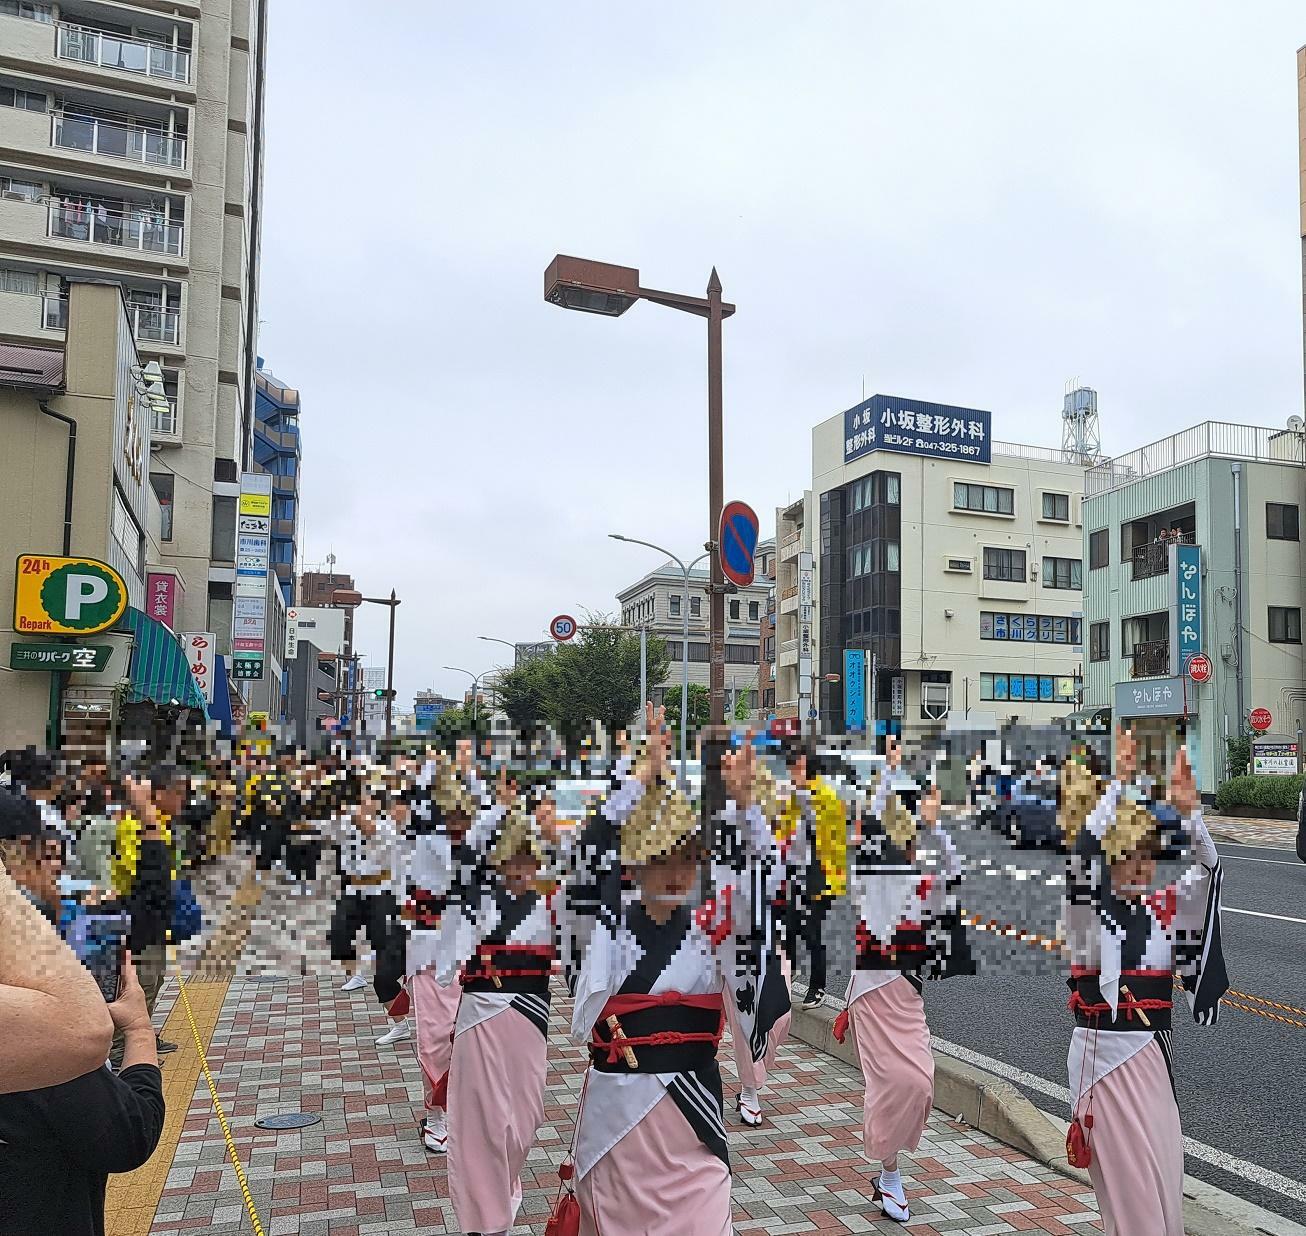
column 1050, row 945
column 217, row 1106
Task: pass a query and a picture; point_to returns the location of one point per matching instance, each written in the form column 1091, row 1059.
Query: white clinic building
column 949, row 570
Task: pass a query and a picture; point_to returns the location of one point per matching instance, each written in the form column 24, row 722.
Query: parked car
column 1027, row 812
column 574, row 798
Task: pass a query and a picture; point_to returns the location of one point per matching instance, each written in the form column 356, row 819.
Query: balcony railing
column 164, row 423
column 117, row 141
column 151, row 325
column 147, row 232
column 1152, row 659
column 113, row 51
column 1154, row 557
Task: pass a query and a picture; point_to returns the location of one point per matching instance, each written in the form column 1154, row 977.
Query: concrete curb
column 994, row 1106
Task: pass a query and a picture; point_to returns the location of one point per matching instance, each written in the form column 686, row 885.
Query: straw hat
column 450, row 793
column 1080, row 792
column 516, row 836
column 664, row 820
column 899, row 820
column 764, row 793
column 1131, row 828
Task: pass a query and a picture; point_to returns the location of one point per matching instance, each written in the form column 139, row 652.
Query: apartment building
column 1193, row 545
column 948, row 570
column 795, row 611
column 277, row 453
column 1301, row 163
column 131, row 152
column 658, row 602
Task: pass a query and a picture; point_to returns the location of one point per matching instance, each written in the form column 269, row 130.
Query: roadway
column 1241, row 1084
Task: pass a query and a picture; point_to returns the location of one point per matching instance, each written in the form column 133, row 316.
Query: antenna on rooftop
column 1081, row 439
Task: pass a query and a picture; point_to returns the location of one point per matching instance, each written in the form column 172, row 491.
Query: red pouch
column 1078, row 1151
column 840, row 1028
column 565, row 1219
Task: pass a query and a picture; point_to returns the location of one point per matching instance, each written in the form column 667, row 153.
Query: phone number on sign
column 933, row 445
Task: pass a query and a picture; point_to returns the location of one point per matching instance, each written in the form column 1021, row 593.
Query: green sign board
column 85, row 658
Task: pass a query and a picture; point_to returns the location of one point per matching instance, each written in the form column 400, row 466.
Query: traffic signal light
column 382, row 694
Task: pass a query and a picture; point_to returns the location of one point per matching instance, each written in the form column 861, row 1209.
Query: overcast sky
column 953, row 202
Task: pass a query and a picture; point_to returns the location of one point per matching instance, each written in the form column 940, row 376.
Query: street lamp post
column 609, row 290
column 684, row 613
column 476, row 687
column 353, row 599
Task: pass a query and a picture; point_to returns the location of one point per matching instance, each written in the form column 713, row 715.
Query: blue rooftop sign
column 910, row 427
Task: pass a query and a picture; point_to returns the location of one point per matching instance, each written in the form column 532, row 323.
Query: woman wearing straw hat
column 499, row 930
column 905, row 872
column 1127, row 939
column 649, row 974
column 449, row 797
column 755, row 1054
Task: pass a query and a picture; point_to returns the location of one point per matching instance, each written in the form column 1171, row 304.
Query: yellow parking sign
column 66, row 596
column 255, row 504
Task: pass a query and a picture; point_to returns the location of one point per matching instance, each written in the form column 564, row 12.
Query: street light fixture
column 476, row 683
column 609, row 290
column 345, row 597
column 684, row 611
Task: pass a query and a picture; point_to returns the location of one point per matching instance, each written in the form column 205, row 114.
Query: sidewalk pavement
column 1245, row 831
column 300, row 1044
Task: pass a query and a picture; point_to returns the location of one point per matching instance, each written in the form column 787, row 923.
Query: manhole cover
column 290, row 1120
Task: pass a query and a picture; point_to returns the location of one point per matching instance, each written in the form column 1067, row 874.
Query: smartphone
column 103, row 948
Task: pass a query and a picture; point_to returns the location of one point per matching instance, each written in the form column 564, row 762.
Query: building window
column 1004, row 564
column 1063, row 573
column 24, row 100
column 741, row 654
column 1285, row 625
column 1057, row 507
column 162, row 483
column 1099, row 549
column 1281, row 521
column 770, row 647
column 754, row 611
column 1149, row 629
column 695, row 607
column 734, row 610
column 1099, row 641
column 222, row 542
column 25, row 190
column 23, row 281
column 987, row 499
column 768, row 698
column 892, row 488
column 674, row 602
column 697, row 651
column 27, row 8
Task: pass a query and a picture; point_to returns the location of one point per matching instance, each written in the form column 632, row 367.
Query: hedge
column 1272, row 793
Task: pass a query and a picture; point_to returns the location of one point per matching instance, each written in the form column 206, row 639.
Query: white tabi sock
column 748, row 1098
column 891, row 1182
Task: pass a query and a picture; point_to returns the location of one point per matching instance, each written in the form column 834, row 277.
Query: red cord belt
column 620, row 1006
column 483, row 966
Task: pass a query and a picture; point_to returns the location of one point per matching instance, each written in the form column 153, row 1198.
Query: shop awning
column 159, row 672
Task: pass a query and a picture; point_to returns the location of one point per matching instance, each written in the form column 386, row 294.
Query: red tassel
column 841, row 1027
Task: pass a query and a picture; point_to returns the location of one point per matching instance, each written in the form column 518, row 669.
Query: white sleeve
column 481, row 834
column 621, row 803
column 1099, row 819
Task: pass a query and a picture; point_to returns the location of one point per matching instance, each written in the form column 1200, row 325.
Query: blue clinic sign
column 854, row 689
column 910, row 427
column 1185, row 604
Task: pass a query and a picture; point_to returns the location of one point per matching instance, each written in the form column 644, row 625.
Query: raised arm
column 54, row 1023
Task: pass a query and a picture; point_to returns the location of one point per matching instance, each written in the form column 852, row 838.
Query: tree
column 700, row 710
column 742, row 710
column 456, row 722
column 593, row 678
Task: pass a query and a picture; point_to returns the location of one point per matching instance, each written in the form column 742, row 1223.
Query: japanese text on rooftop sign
column 1186, row 604
column 910, row 427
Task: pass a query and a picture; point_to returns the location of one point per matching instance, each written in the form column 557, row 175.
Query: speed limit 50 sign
column 563, row 627
column 67, row 596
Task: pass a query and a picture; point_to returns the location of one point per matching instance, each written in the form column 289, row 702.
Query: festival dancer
column 1127, row 940
column 648, row 971
column 498, row 929
column 775, row 998
column 905, row 871
column 445, row 806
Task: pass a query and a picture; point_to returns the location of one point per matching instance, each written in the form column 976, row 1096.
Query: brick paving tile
column 300, row 1044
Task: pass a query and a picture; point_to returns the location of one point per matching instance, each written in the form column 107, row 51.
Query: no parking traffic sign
column 737, row 539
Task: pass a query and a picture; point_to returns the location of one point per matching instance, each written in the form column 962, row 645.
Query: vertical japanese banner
column 854, row 689
column 1186, row 605
column 198, row 647
column 161, row 595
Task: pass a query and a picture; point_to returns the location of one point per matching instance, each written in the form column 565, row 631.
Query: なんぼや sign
column 67, row 596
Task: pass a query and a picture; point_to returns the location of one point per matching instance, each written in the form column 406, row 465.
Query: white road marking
column 1283, row 918
column 1282, row 862
column 1198, row 1150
